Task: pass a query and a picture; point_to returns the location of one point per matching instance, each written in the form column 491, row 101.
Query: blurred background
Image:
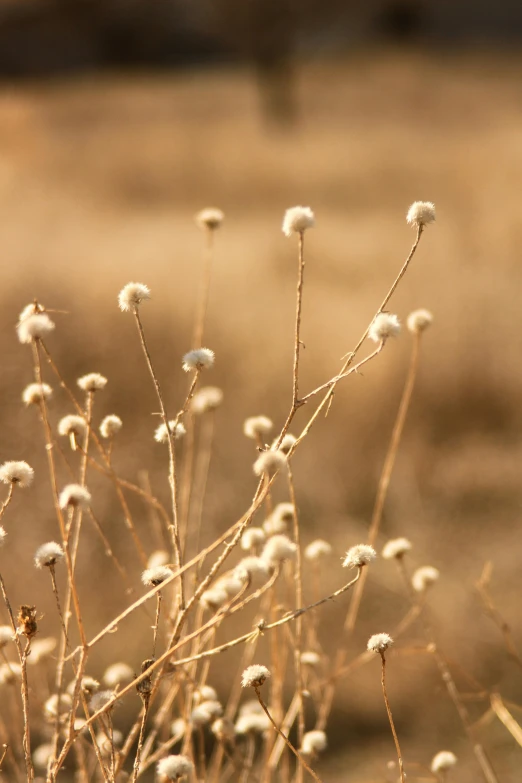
column 119, row 120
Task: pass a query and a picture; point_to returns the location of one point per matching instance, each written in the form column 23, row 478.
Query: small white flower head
column 257, row 427
column 297, row 220
column 117, row 675
column 251, row 707
column 254, row 676
column 72, row 425
column 207, row 399
column 286, row 444
column 89, row 686
column 30, row 309
column 10, row 673
column 424, row 577
column 313, row 742
column 177, row 728
column 198, row 359
column 100, row 700
column 318, row 549
column 252, row 568
column 174, row 767
column 19, row 473
column 205, row 693
column 152, row 577
column 75, row 496
column 92, row 382
column 41, row 755
column 269, row 462
column 132, row 295
column 3, row 535
column 252, row 723
column 383, row 326
column 421, row 213
column 359, row 555
column 210, row 218
column 6, row 635
column 279, row 519
column 34, row 327
column 379, row 642
column 110, row 426
column 48, row 554
column 53, row 706
column 232, row 582
column 41, row 649
column 310, row 658
column 200, row 717
column 107, row 745
column 206, row 712
column 158, row 558
column 419, row 320
column 277, row 549
column 214, row 598
column 223, row 729
column 443, row 761
column 252, row 538
column 177, row 430
column 397, row 547
column 34, row 393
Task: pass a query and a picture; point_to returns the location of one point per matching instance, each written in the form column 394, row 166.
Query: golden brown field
column 99, row 182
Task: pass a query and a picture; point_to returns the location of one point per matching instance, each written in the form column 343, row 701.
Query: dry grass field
column 99, row 182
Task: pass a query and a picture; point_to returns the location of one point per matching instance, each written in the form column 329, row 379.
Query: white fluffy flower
column 310, row 658
column 419, row 320
column 93, row 381
column 152, row 577
column 286, row 444
column 72, row 425
column 383, row 326
column 317, row 549
column 3, row 534
column 279, row 519
column 42, row 754
column 16, row 473
column 297, row 220
column 132, row 295
column 313, row 742
column 6, row 635
column 359, row 555
column 198, row 359
column 118, row 674
column 214, row 598
column 277, row 549
column 253, row 568
column 252, row 537
column 443, row 761
column 34, row 393
column 161, row 435
column 254, row 675
column 224, row 730
column 206, row 399
column 269, row 462
column 396, row 547
column 101, row 699
column 41, row 649
column 421, row 213
column 158, row 558
column 205, row 693
column 34, row 327
column 424, row 577
column 379, row 642
column 53, row 705
column 76, row 496
column 175, row 767
column 210, row 218
column 257, row 427
column 48, row 554
column 255, row 723
column 110, row 426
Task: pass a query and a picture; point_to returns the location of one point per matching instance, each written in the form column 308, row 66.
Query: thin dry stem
column 390, row 718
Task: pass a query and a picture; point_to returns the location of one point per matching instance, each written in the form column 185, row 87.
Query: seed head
column 257, row 427
column 53, row 705
column 110, row 426
column 269, row 462
column 48, row 554
column 152, row 577
column 359, row 555
column 277, row 549
column 419, row 320
column 42, row 754
column 34, row 327
column 174, row 767
column 214, row 598
column 34, row 393
column 310, row 658
column 19, row 473
column 297, row 220
column 3, row 535
column 254, row 676
column 252, row 723
column 379, row 642
column 177, row 430
column 317, row 549
column 252, row 537
column 158, row 558
column 75, row 496
column 100, row 700
column 424, row 577
column 223, row 729
column 72, row 425
column 205, row 693
column 443, row 761
column 30, row 309
column 6, row 635
column 210, row 218
column 253, row 568
column 313, row 742
column 132, row 295
column 383, row 326
column 198, row 359
column 286, row 444
column 118, row 674
column 421, row 213
column 41, row 649
column 92, row 382
column 206, row 399
column 397, row 547
column 279, row 519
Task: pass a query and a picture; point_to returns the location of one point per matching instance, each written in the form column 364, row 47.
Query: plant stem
column 390, row 718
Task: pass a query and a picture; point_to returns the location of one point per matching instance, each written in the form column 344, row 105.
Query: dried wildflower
column 206, row 399
column 443, row 761
column 257, row 427
column 41, row 649
column 27, row 625
column 19, row 473
column 161, row 434
column 10, row 673
column 34, row 327
column 75, row 496
column 178, row 727
column 421, row 213
column 200, row 717
column 210, row 218
column 101, row 699
column 89, row 686
column 30, row 309
column 254, row 676
column 42, row 754
column 54, row 706
column 152, row 577
column 213, row 707
column 205, row 693
column 107, row 744
column 269, row 462
column 48, row 554
column 92, row 382
column 419, row 320
column 118, row 674
column 297, row 220
column 251, row 707
column 252, row 538
column 158, row 558
column 110, row 426
column 277, row 549
column 132, row 295
column 144, row 686
column 198, row 359
column 279, row 519
column 424, row 577
column 6, row 635
column 383, row 326
column 317, row 549
column 232, row 582
column 359, row 555
column 74, row 427
column 174, row 767
column 286, row 444
column 313, row 742
column 223, row 729
column 255, row 723
column 379, row 642
column 397, row 547
column 310, row 658
column 3, row 535
column 34, row 393
column 214, row 598
column 253, row 568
